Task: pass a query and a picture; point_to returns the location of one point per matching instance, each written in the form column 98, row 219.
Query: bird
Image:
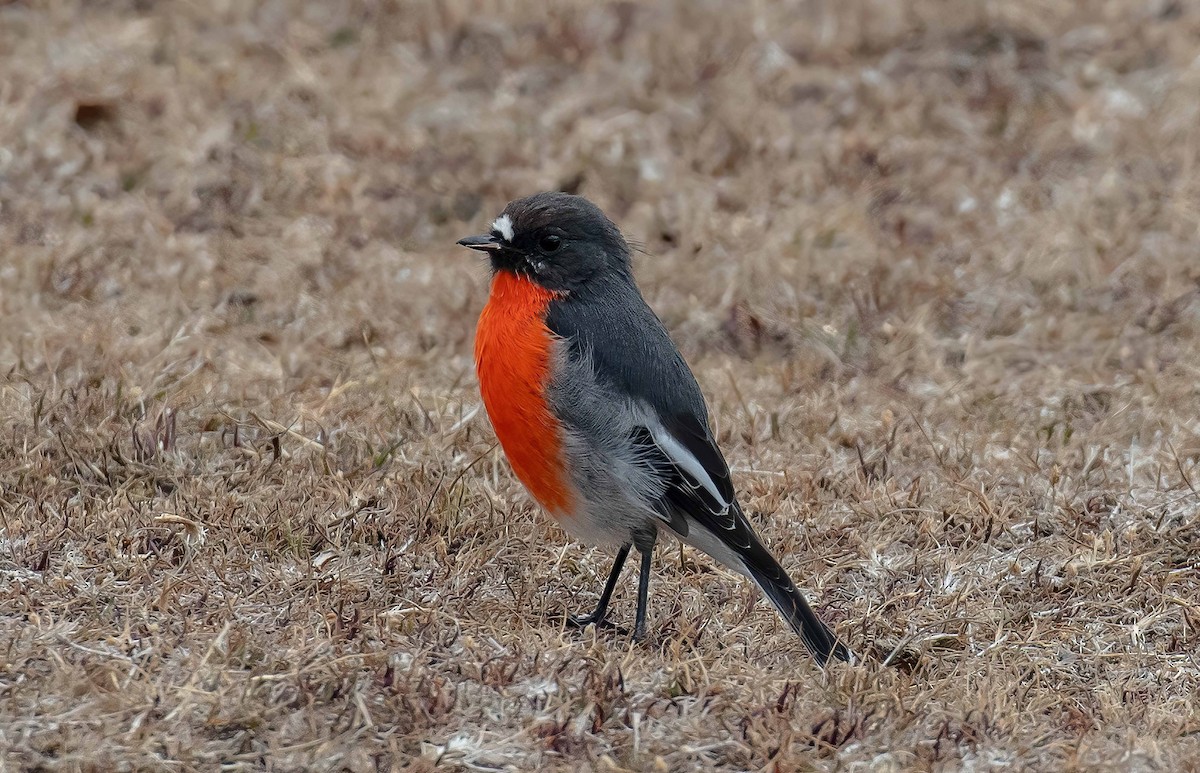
column 599, row 415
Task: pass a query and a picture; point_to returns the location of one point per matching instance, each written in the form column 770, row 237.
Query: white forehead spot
column 503, row 224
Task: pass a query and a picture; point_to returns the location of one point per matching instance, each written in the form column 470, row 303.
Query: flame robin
column 597, row 412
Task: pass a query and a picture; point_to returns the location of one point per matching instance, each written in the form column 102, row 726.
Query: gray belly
column 614, row 495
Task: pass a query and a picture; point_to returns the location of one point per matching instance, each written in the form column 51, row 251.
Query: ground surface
column 935, row 265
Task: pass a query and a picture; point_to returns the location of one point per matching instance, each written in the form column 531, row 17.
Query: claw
column 603, row 623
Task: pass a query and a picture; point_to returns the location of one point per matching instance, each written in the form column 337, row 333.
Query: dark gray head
column 558, row 240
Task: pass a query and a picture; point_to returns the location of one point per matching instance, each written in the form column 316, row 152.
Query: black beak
column 482, row 243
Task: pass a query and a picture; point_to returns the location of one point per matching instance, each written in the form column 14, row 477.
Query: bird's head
column 557, row 240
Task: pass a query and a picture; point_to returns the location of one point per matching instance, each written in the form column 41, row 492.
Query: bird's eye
column 549, row 243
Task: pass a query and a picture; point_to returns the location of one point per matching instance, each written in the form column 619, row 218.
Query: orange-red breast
column 598, row 413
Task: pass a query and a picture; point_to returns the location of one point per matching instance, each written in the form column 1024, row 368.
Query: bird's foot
column 600, row 621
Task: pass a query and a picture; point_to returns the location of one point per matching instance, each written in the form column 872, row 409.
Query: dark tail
column 790, row 602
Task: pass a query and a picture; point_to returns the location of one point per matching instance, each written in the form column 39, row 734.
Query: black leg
column 597, row 617
column 639, row 625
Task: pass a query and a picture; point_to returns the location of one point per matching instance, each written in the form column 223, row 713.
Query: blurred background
column 934, row 263
column 968, row 172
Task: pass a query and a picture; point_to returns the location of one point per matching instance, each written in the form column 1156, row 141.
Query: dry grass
column 935, row 265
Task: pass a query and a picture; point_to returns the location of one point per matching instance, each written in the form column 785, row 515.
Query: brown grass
column 935, row 265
